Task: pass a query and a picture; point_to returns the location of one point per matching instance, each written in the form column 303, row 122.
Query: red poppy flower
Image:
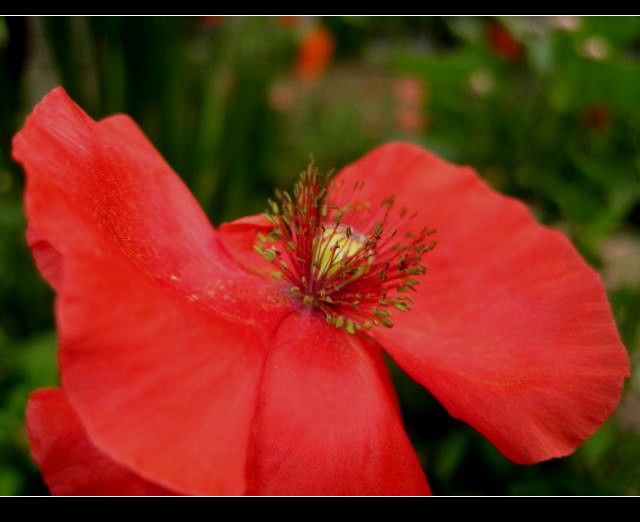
column 314, row 54
column 503, row 43
column 186, row 367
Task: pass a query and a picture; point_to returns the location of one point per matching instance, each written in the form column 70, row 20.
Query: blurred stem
column 255, row 48
column 70, row 44
column 12, row 58
column 110, row 65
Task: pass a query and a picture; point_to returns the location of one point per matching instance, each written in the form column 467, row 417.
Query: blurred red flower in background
column 314, row 53
column 187, row 368
column 289, row 21
column 409, row 111
column 597, row 117
column 502, row 42
column 211, row 20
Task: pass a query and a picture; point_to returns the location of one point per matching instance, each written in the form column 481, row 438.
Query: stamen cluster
column 354, row 277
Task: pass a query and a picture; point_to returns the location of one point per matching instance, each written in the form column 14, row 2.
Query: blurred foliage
column 545, row 108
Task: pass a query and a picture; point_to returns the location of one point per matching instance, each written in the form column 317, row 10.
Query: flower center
column 354, row 262
column 334, row 246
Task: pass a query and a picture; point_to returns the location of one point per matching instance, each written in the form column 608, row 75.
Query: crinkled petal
column 238, row 239
column 511, row 330
column 162, row 333
column 327, row 421
column 70, row 463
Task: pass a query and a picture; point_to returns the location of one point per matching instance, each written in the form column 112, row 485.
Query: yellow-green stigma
column 353, row 262
column 335, row 245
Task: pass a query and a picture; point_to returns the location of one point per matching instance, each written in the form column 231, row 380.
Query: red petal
column 104, row 184
column 327, row 421
column 511, row 329
column 238, row 239
column 162, row 335
column 70, row 463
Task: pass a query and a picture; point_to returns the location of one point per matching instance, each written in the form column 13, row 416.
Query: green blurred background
column 547, row 109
